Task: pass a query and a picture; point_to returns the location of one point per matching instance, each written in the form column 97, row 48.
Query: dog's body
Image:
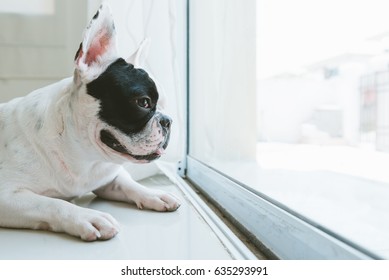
column 70, row 138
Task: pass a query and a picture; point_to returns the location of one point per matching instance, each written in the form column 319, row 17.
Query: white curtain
column 164, row 23
column 222, row 81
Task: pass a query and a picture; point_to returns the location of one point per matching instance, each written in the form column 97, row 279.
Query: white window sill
column 188, row 233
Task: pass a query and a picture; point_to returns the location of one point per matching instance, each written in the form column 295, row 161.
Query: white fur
column 50, row 152
column 103, row 23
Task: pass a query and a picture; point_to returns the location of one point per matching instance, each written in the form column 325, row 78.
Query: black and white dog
column 72, row 137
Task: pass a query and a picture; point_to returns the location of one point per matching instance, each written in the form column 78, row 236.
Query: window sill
column 188, row 233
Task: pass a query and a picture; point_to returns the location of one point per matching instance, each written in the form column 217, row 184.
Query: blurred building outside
column 342, row 100
column 332, row 115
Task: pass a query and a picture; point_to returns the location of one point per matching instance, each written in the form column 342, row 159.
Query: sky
column 294, row 33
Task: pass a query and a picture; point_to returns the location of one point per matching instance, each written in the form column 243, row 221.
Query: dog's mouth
column 108, row 139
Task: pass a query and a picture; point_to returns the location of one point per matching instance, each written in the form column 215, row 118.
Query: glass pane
column 291, row 98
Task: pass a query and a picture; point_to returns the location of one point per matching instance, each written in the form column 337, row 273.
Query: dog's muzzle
column 110, row 140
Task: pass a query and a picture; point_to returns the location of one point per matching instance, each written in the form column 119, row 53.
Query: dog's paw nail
column 90, row 237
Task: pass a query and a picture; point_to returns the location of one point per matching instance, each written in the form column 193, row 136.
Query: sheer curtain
column 164, row 23
column 222, row 81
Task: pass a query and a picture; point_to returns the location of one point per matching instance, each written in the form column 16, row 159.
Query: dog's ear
column 138, row 58
column 98, row 48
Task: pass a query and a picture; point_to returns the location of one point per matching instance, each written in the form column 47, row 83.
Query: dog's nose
column 165, row 121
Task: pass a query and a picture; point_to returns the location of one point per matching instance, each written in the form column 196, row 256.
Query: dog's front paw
column 93, row 225
column 158, row 201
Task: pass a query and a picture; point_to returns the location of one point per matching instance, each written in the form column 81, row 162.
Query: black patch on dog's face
column 128, row 96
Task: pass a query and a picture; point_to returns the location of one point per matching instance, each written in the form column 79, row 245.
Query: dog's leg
column 125, row 189
column 24, row 209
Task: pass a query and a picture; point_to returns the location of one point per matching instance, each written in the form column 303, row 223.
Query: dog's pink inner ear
column 98, row 46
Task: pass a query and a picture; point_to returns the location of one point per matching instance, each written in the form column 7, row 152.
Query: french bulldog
column 73, row 137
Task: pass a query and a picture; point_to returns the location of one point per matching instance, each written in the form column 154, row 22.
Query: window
column 288, row 122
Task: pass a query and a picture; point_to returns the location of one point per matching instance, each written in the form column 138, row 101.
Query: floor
column 183, row 234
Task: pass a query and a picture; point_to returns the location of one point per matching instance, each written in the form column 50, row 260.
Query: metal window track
column 285, row 235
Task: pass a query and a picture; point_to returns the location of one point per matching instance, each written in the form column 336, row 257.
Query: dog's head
column 129, row 124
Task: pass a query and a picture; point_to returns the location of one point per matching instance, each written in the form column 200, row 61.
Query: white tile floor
column 183, row 234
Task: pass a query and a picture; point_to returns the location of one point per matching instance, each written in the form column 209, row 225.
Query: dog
column 73, row 137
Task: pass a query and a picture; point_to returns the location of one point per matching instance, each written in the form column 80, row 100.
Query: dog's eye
column 144, row 102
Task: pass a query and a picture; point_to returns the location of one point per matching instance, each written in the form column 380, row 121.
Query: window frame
column 277, row 231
